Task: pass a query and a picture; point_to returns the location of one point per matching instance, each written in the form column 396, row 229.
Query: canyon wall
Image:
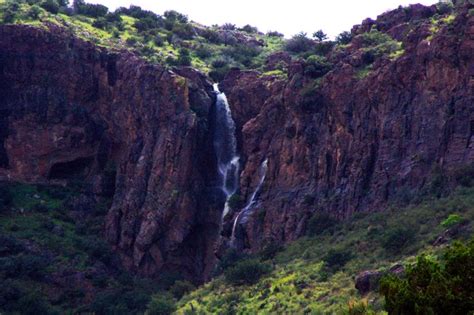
column 141, row 135
column 345, row 143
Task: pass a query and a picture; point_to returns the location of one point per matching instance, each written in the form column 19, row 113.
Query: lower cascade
column 226, row 148
column 243, row 215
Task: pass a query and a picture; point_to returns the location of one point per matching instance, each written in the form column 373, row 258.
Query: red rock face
column 354, row 144
column 72, row 110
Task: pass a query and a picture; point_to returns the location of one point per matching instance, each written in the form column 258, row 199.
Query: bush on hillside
column 299, row 43
column 51, row 6
column 247, row 271
column 249, row 29
column 320, row 223
column 180, row 288
column 274, row 34
column 34, row 12
column 434, row 287
column 344, row 38
column 396, row 239
column 161, row 304
column 335, row 259
column 317, row 66
column 88, row 9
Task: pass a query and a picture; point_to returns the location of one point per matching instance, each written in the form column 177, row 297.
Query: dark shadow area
column 72, row 169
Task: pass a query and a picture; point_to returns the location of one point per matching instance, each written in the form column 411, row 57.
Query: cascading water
column 225, row 145
column 243, row 215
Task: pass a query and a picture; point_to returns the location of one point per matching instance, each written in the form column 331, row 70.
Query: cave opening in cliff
column 71, row 169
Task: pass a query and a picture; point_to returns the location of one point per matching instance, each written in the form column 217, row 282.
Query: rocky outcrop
column 134, row 131
column 347, row 143
column 369, row 280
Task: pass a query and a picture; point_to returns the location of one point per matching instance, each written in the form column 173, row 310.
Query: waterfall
column 225, row 146
column 242, row 217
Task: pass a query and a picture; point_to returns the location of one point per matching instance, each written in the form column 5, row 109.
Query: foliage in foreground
column 434, row 287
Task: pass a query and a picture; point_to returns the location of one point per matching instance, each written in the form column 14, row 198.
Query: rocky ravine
column 142, row 135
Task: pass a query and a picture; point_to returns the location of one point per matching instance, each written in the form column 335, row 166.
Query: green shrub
column 397, row 238
column 378, row 44
column 249, row 29
column 203, row 51
column 335, row 259
column 432, row 287
column 247, row 271
column 92, row 10
column 317, row 66
column 452, row 220
column 320, row 223
column 161, row 304
column 229, row 259
column 184, row 58
column 9, row 16
column 275, row 34
column 270, row 250
column 180, row 288
column 344, row 38
column 299, row 43
column 51, row 6
column 34, row 12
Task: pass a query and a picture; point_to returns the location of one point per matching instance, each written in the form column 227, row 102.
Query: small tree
column 344, row 38
column 50, row 6
column 299, row 43
column 249, row 29
column 320, row 36
column 184, row 58
column 228, row 27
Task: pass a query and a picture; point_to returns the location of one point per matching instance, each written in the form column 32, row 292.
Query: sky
column 287, row 17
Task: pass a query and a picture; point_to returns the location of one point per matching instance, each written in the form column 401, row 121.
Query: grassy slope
column 300, row 284
column 113, row 38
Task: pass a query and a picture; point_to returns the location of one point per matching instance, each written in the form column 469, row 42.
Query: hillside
column 131, row 183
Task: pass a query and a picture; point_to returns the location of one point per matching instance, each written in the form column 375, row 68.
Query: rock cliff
column 345, row 143
column 71, row 110
column 353, row 140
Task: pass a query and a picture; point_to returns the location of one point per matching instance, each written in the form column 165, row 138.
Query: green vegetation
column 434, row 286
column 161, row 304
column 315, row 274
column 49, row 232
column 246, row 272
column 378, row 44
column 452, row 220
column 169, row 39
